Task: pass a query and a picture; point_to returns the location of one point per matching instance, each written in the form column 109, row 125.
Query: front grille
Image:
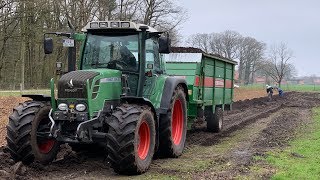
column 95, row 89
column 73, row 84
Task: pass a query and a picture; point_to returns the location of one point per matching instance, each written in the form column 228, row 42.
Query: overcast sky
column 295, row 22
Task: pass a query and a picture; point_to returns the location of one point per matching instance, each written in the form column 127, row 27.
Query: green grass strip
column 302, row 159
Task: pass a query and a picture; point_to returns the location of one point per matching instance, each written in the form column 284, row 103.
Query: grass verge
column 302, row 159
column 285, row 87
column 19, row 93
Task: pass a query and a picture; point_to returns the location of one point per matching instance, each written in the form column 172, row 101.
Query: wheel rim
column 220, row 119
column 45, row 145
column 177, row 122
column 144, row 140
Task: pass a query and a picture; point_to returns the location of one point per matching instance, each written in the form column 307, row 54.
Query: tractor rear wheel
column 27, row 133
column 131, row 139
column 173, row 126
column 214, row 120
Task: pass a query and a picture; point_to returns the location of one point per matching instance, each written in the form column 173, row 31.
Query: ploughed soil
column 251, row 129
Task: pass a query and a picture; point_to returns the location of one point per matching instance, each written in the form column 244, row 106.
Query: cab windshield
column 113, row 52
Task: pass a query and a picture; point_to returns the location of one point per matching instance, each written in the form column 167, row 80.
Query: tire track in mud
column 271, row 132
column 208, row 139
column 250, row 111
column 275, row 128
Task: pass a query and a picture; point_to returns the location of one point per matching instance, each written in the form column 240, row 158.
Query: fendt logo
column 70, row 84
column 72, row 89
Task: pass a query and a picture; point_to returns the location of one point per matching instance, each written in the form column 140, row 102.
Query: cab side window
column 152, row 55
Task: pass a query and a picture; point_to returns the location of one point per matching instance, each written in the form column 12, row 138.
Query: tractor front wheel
column 131, row 139
column 173, row 126
column 27, row 133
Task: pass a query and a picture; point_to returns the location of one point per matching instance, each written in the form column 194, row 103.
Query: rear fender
column 170, row 85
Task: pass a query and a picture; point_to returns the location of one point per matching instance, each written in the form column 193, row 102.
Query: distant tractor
column 123, row 98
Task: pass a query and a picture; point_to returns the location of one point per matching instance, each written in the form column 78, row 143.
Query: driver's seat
column 128, row 57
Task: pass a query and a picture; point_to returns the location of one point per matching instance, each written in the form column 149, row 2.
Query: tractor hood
column 74, row 84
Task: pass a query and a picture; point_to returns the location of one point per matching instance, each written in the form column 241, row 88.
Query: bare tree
column 164, row 15
column 278, row 65
column 224, row 44
column 128, row 10
column 250, row 54
column 231, row 45
column 22, row 24
column 230, row 42
column 201, row 41
column 216, row 44
column 105, row 9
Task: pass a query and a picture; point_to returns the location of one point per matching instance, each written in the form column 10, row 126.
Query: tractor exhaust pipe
column 72, row 50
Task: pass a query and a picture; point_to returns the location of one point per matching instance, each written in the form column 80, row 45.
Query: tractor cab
column 130, row 48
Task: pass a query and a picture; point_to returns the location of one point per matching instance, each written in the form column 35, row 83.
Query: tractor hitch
column 84, row 132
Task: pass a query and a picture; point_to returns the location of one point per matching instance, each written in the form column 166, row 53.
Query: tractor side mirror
column 48, row 45
column 164, row 45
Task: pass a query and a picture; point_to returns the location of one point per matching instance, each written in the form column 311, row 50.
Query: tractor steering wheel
column 114, row 63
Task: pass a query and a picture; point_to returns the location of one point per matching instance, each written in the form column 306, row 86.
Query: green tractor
column 131, row 94
column 120, row 97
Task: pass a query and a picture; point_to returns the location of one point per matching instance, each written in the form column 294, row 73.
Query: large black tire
column 173, row 126
column 214, row 120
column 23, row 142
column 129, row 150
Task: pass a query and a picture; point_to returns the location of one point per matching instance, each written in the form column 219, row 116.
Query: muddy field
column 252, row 128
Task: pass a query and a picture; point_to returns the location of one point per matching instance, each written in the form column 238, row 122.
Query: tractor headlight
column 63, row 107
column 80, row 107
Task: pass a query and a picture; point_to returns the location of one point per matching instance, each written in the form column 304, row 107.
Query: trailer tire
column 24, row 124
column 131, row 139
column 214, row 120
column 173, row 126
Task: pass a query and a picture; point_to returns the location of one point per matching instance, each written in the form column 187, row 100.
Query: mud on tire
column 173, row 126
column 23, row 143
column 131, row 139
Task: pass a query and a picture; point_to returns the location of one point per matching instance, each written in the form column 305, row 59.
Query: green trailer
column 210, row 80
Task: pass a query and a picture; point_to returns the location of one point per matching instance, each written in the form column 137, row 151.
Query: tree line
column 24, row 22
column 254, row 57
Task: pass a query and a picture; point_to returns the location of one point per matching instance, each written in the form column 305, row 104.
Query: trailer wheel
column 173, row 126
column 27, row 133
column 131, row 139
column 214, row 120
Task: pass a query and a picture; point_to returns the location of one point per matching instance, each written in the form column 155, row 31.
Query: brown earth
column 243, row 94
column 6, row 105
column 252, row 128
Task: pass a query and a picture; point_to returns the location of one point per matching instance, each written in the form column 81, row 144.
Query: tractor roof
column 114, row 25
